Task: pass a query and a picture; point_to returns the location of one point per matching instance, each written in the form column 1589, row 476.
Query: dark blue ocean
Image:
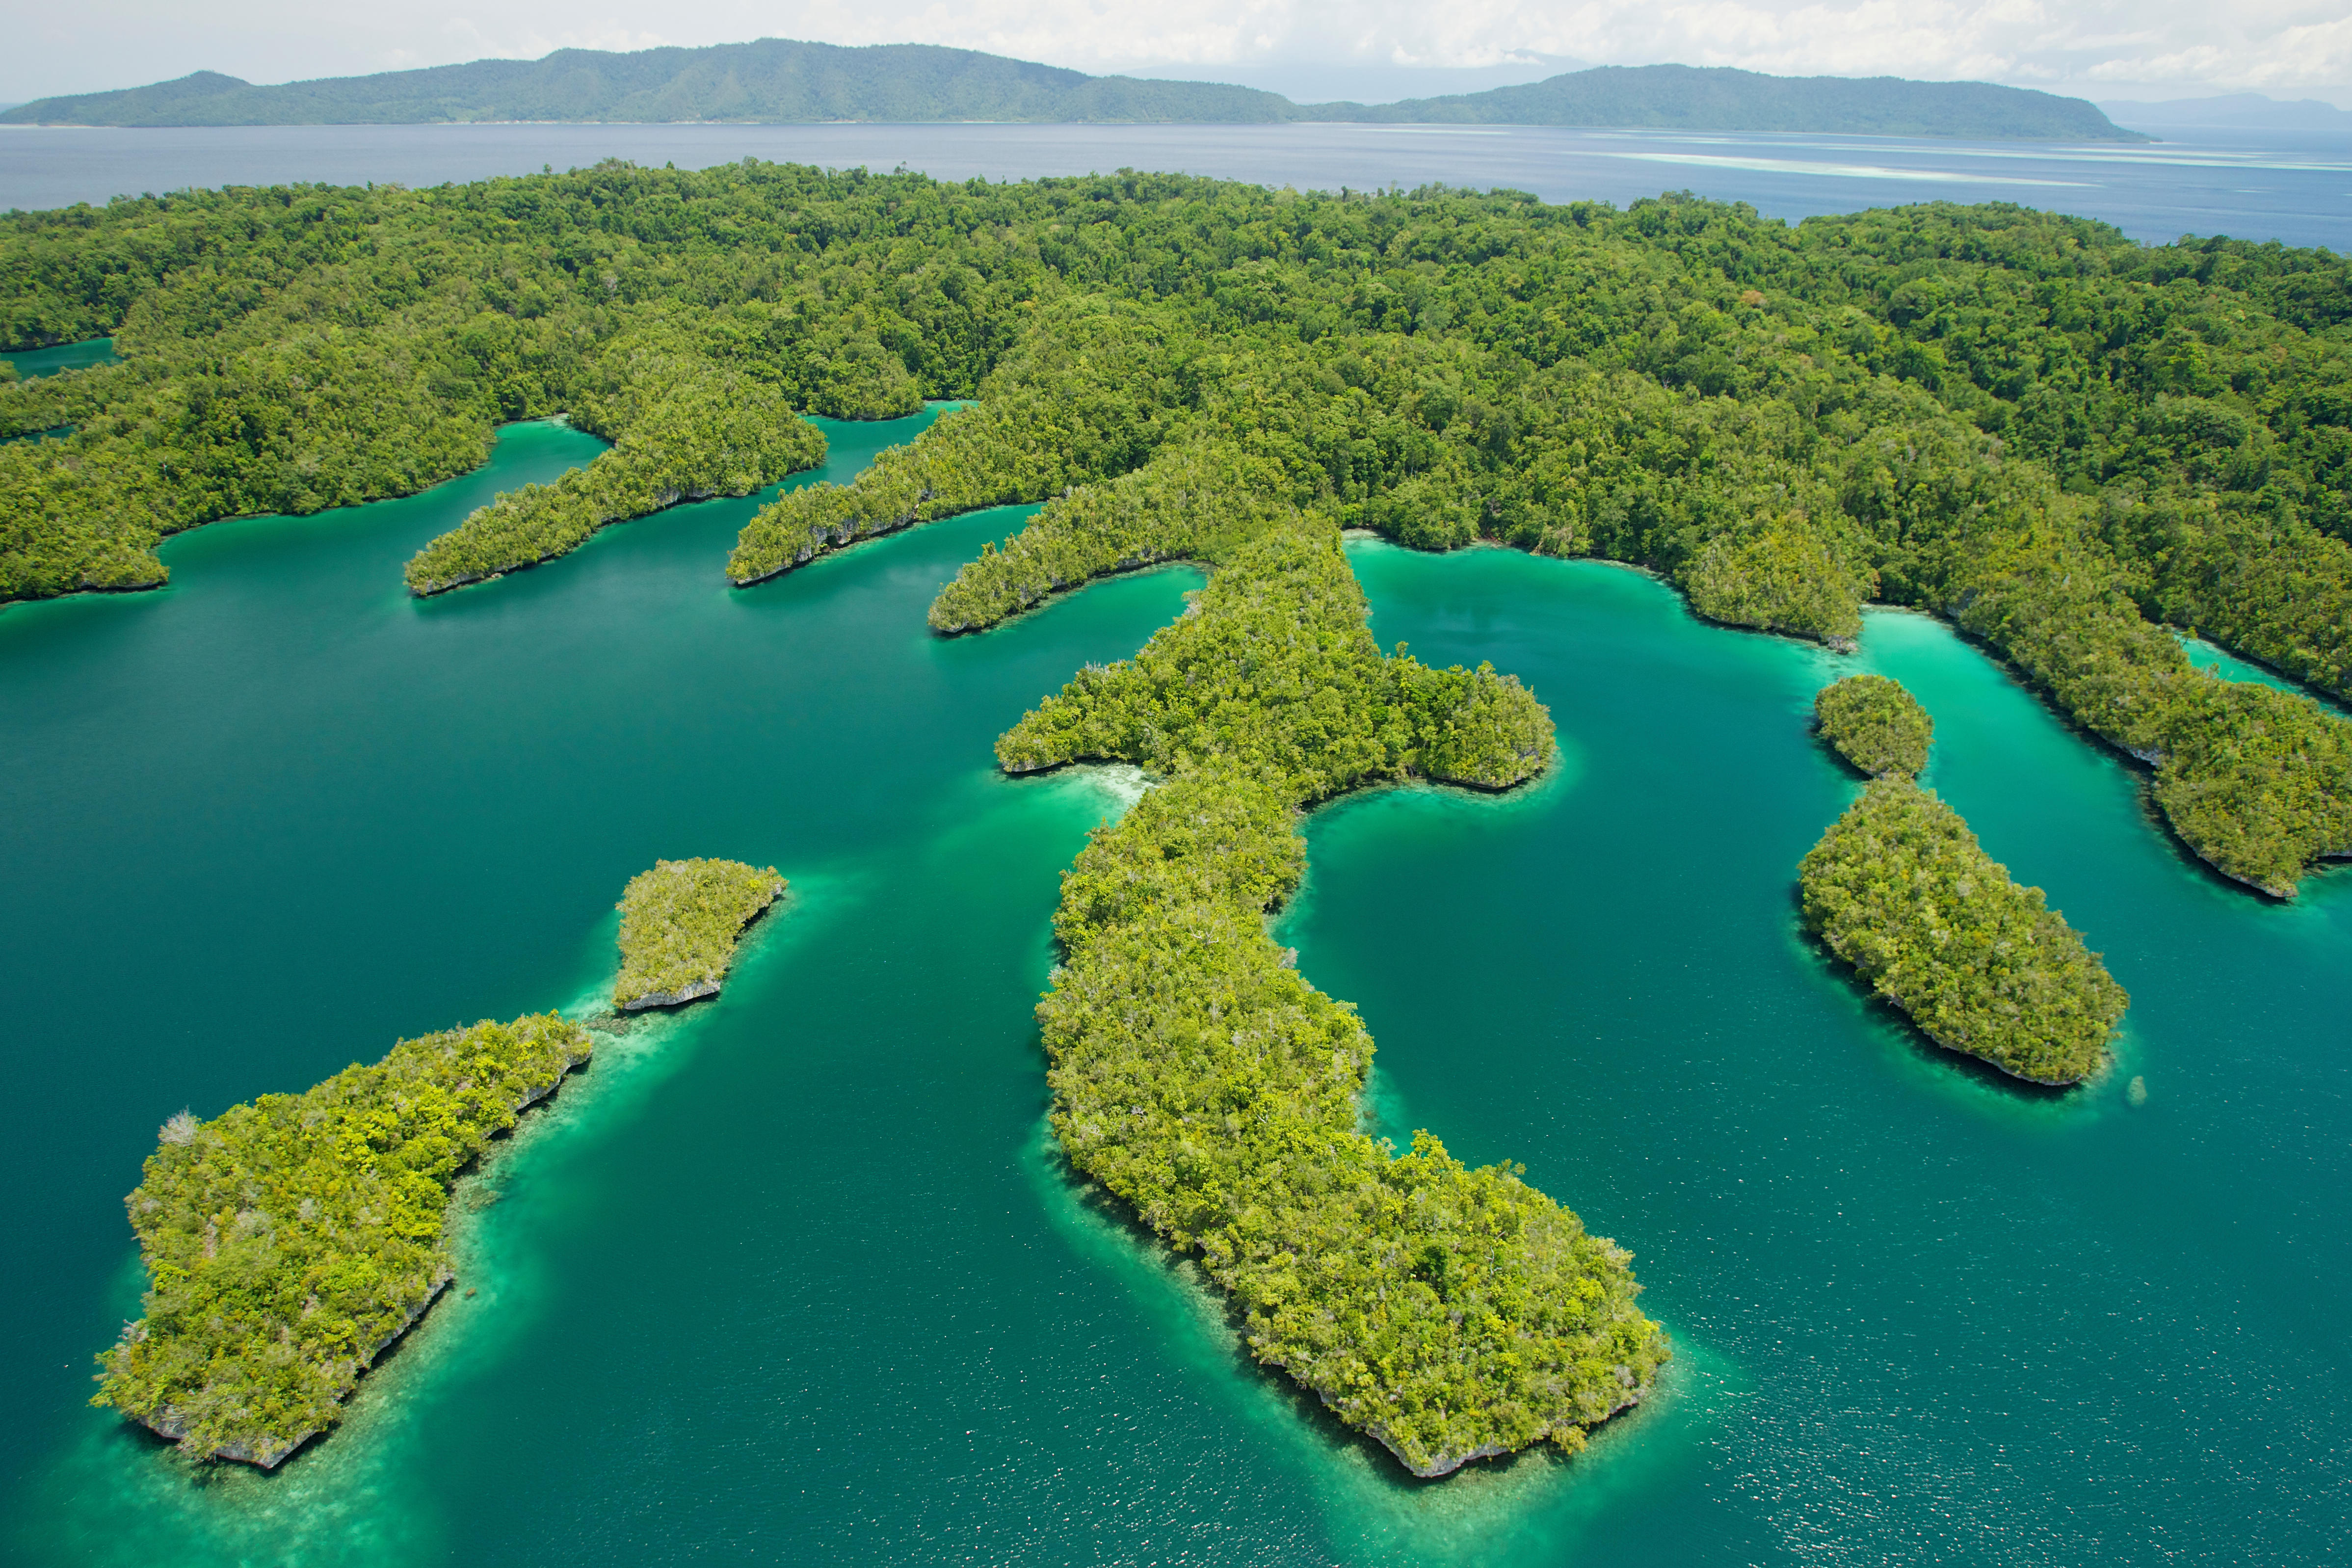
column 2292, row 186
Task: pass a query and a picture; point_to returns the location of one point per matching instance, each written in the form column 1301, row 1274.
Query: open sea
column 2291, row 186
column 796, row 1276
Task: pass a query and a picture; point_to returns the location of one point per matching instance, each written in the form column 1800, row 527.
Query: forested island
column 1874, row 724
column 290, row 1241
column 1900, row 889
column 786, row 80
column 2067, row 445
column 679, row 923
column 1451, row 1313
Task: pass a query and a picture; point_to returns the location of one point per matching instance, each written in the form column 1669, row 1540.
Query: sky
column 1369, row 49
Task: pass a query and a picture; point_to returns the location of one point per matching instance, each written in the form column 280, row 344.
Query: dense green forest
column 679, row 926
column 779, row 79
column 2066, row 443
column 289, row 1240
column 1449, row 1313
column 712, row 434
column 2061, row 440
column 1899, row 888
column 1874, row 724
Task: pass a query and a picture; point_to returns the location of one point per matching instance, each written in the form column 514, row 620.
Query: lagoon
column 797, row 1275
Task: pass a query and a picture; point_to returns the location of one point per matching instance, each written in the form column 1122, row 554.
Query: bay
column 2294, row 186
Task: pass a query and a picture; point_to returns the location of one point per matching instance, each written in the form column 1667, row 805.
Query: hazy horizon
column 1308, row 50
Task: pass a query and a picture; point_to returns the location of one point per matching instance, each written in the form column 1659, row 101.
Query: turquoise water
column 30, row 363
column 795, row 1275
column 2204, row 654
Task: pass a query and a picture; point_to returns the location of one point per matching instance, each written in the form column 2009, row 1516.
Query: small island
column 1900, row 889
column 1876, row 724
column 679, row 923
column 289, row 1241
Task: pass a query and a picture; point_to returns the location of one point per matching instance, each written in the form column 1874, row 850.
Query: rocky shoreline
column 174, row 1424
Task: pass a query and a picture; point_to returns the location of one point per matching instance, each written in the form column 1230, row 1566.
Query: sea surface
column 2291, row 186
column 31, row 362
column 797, row 1277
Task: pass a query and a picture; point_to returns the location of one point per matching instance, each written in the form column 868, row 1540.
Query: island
column 1786, row 423
column 1874, row 724
column 1899, row 888
column 2069, row 447
column 289, row 1241
column 1450, row 1313
column 786, row 80
column 679, row 923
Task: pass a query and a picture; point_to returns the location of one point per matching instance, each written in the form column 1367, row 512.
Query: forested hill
column 1685, row 98
column 779, row 80
column 772, row 79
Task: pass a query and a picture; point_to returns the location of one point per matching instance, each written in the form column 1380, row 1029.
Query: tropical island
column 1876, row 724
column 1900, row 889
column 1451, row 1313
column 289, row 1242
column 2066, row 445
column 782, row 80
column 679, row 924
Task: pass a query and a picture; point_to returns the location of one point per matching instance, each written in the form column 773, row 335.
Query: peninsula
column 684, row 436
column 780, row 80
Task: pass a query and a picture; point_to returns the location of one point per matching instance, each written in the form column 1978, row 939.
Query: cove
column 797, row 1276
column 30, row 363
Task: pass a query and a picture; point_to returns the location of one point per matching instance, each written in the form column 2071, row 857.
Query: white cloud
column 2285, row 48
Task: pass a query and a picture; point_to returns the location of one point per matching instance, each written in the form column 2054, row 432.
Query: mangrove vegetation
column 679, row 923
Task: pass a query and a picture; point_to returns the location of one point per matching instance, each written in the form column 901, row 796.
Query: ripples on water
column 2253, row 185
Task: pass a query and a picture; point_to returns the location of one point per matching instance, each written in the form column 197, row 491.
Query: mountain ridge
column 777, row 80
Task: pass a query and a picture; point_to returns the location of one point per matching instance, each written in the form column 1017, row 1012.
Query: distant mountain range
column 777, row 80
column 1688, row 98
column 2234, row 112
